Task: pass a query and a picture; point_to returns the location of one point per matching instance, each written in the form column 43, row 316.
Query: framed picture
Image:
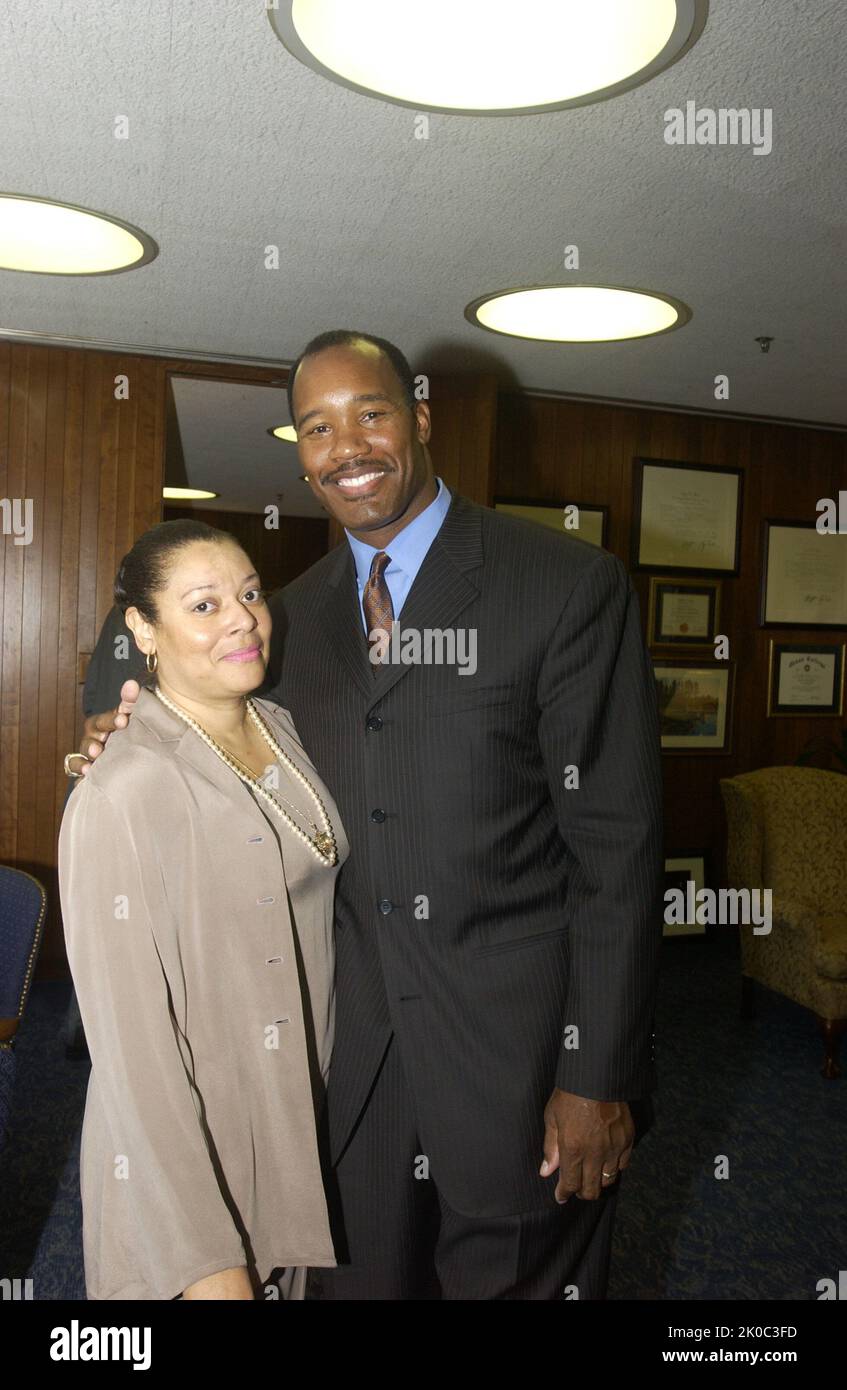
column 685, row 875
column 804, row 576
column 805, row 679
column 683, row 612
column 586, row 520
column 685, row 517
column 694, row 705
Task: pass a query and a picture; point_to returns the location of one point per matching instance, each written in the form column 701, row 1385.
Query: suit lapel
column 341, row 618
column 441, row 590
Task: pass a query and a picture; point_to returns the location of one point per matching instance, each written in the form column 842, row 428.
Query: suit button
column 374, row 724
column 385, row 907
column 378, row 816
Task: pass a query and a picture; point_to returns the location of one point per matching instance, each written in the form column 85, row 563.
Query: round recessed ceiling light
column 489, row 57
column 286, row 432
column 50, row 238
column 578, row 313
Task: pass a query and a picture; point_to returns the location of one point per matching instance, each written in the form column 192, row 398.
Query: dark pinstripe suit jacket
column 489, row 915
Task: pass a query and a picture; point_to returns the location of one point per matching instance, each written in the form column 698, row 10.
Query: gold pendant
column 323, row 842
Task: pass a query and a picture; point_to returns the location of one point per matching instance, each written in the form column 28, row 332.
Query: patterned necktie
column 376, row 601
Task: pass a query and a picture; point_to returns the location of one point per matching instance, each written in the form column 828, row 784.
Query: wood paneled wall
column 583, row 452
column 464, row 424
column 92, row 464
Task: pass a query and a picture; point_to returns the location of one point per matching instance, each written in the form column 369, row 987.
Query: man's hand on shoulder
column 99, row 726
column 584, row 1139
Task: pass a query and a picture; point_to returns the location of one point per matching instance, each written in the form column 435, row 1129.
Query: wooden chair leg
column 746, row 996
column 831, row 1029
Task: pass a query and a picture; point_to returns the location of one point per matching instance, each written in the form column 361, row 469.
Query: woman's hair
column 144, row 570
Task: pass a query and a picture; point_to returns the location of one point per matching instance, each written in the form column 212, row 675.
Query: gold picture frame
column 675, row 615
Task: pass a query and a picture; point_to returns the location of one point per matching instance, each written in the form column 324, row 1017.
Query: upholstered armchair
column 788, row 832
column 23, row 905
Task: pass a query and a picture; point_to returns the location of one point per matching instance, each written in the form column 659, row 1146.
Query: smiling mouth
column 352, row 484
column 245, row 654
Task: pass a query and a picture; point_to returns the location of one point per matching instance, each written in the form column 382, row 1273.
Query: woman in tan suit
column 197, row 866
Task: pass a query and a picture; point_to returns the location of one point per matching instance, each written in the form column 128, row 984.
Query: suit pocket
column 469, row 697
column 518, row 942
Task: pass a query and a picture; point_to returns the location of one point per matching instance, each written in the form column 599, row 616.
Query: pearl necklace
column 323, row 844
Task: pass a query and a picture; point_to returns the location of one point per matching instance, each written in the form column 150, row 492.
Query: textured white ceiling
column 234, row 146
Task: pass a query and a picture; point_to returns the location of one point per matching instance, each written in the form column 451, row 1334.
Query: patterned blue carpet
column 751, row 1091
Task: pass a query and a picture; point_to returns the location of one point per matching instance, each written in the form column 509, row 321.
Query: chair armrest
column 795, row 914
column 826, row 933
column 829, row 956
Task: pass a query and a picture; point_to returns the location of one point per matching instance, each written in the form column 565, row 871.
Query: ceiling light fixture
column 577, row 313
column 187, row 494
column 489, row 57
column 46, row 237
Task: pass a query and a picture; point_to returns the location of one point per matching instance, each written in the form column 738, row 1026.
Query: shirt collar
column 410, row 545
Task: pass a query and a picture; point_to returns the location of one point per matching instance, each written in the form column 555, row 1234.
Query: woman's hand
column 227, row 1283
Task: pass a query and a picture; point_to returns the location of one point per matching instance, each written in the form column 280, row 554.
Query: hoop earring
column 152, row 656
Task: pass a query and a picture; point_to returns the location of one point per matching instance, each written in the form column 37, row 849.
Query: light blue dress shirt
column 407, row 552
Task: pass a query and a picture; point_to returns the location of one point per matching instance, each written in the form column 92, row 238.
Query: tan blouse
column 199, row 934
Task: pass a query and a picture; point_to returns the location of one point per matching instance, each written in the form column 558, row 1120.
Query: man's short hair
column 346, row 337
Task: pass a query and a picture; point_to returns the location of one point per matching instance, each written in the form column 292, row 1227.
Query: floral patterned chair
column 788, row 832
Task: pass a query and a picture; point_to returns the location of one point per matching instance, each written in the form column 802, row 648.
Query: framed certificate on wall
column 804, row 575
column 683, row 612
column 806, row 678
column 685, row 517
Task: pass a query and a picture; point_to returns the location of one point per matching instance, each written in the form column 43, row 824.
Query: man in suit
column 499, row 918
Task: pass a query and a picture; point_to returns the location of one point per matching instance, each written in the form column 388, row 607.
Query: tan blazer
column 199, row 1147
